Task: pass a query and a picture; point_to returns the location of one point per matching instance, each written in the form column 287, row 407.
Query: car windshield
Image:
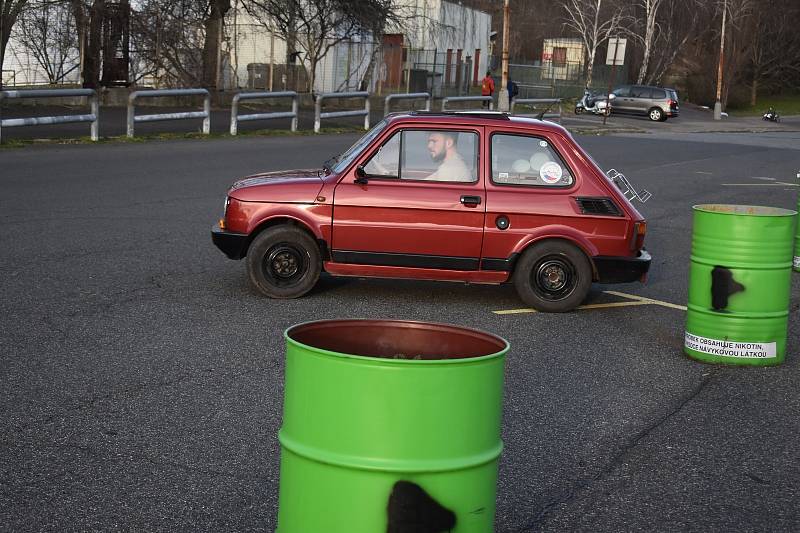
column 342, row 161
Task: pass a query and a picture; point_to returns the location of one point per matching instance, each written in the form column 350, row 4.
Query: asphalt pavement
column 142, row 377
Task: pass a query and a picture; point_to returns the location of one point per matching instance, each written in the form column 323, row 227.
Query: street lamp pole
column 502, row 99
column 718, row 103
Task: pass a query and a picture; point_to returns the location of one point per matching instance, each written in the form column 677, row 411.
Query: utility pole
column 502, row 99
column 718, row 104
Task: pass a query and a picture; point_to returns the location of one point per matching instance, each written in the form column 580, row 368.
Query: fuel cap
column 502, row 222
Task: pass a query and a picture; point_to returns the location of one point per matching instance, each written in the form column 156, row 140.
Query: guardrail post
column 366, row 116
column 207, row 110
column 294, row 111
column 131, row 104
column 317, row 112
column 234, row 114
column 94, row 102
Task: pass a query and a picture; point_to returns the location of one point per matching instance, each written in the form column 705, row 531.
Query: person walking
column 487, row 87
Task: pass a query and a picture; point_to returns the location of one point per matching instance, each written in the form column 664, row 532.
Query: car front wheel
column 284, row 262
column 656, row 115
column 553, row 276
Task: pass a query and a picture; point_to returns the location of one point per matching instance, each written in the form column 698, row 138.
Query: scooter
column 771, row 115
column 592, row 103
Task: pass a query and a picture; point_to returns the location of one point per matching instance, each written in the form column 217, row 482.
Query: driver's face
column 437, row 146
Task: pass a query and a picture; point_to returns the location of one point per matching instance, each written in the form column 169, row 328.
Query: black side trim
column 598, row 205
column 405, row 260
column 502, row 265
column 621, row 269
column 234, row 245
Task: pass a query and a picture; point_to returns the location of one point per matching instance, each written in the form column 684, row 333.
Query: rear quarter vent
column 591, row 205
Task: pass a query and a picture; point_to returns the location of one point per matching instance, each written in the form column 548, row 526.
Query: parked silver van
column 657, row 103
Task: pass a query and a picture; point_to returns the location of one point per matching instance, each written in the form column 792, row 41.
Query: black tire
column 284, row 262
column 655, row 114
column 553, row 276
column 578, row 110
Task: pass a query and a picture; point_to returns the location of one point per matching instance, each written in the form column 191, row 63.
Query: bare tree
column 316, row 26
column 46, row 31
column 774, row 52
column 9, row 12
column 594, row 24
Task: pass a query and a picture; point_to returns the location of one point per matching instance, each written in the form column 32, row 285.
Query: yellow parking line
column 581, row 308
column 646, row 300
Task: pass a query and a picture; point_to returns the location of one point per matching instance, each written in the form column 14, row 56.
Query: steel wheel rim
column 554, row 278
column 285, row 264
column 655, row 114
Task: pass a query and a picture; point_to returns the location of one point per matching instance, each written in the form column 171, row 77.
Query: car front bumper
column 234, row 245
column 622, row 269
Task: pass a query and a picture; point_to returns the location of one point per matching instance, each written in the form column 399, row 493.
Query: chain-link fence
column 565, row 80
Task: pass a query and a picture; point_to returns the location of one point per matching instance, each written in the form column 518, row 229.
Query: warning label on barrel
column 750, row 350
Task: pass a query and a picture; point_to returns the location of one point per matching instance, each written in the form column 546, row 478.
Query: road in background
column 142, row 378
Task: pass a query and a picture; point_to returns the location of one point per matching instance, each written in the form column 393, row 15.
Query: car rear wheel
column 656, row 115
column 553, row 276
column 284, row 262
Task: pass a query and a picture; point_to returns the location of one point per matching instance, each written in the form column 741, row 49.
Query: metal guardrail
column 535, row 101
column 467, row 99
column 408, row 96
column 236, row 118
column 319, row 115
column 205, row 114
column 63, row 119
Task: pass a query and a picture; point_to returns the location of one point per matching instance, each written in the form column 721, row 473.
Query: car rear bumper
column 234, row 245
column 622, row 269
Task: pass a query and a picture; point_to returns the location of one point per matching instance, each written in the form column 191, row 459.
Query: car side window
column 525, row 160
column 386, row 161
column 640, row 92
column 659, row 94
column 439, row 155
column 622, row 91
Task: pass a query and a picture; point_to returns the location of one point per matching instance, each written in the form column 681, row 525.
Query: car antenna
column 540, row 116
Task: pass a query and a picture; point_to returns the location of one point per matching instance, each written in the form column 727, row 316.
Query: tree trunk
column 91, row 62
column 590, row 66
column 3, row 42
column 754, row 89
column 80, row 25
column 211, row 46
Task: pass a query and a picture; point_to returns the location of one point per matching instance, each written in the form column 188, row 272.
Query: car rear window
column 527, row 160
column 672, row 94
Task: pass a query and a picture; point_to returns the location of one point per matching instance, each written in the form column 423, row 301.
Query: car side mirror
column 361, row 175
column 612, row 96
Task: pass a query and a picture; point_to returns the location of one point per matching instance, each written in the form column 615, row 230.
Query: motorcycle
column 592, row 103
column 771, row 115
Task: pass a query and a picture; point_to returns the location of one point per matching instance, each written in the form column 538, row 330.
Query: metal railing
column 408, row 96
column 205, row 114
column 549, row 102
column 62, row 119
column 236, row 118
column 319, row 115
column 466, row 99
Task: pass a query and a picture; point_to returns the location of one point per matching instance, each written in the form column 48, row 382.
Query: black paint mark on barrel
column 723, row 286
column 412, row 510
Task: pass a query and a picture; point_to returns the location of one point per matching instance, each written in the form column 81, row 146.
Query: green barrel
column 739, row 284
column 390, row 425
column 796, row 259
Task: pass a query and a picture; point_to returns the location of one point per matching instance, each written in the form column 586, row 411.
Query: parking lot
column 142, row 376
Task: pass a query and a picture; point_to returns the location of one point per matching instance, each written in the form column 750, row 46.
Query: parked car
column 658, row 103
column 477, row 197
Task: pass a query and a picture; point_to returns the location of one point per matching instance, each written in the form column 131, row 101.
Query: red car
column 474, row 197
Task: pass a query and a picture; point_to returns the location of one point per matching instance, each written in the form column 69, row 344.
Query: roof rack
column 466, row 112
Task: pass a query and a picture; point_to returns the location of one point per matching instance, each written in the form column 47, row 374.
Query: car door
column 622, row 99
column 411, row 206
column 640, row 99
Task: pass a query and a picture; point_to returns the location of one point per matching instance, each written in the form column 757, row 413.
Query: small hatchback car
column 474, row 197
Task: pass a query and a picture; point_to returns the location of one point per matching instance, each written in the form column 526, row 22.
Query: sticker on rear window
column 551, row 172
column 503, row 175
column 543, row 144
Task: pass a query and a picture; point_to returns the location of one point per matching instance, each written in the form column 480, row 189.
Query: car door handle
column 471, row 200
